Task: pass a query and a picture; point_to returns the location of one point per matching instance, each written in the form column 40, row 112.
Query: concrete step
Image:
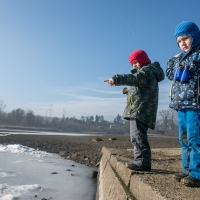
column 117, row 182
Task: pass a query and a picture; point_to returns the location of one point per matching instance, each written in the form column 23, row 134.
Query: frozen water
column 5, row 132
column 26, row 172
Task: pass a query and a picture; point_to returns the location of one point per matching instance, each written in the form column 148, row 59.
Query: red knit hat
column 139, row 56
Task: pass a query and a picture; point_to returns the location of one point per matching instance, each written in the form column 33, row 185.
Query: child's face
column 136, row 65
column 184, row 42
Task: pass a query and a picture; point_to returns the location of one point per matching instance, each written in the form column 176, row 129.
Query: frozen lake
column 26, row 173
column 4, row 132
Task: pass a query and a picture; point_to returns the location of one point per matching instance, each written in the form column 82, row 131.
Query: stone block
column 116, row 191
column 143, row 191
column 113, row 161
column 103, row 164
column 107, row 180
column 123, row 172
column 106, row 153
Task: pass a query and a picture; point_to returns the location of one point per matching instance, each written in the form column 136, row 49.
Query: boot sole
column 190, row 184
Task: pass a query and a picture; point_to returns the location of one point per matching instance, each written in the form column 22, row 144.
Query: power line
column 46, row 112
column 64, row 111
column 50, row 109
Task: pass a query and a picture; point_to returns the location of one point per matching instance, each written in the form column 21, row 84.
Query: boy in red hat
column 142, row 104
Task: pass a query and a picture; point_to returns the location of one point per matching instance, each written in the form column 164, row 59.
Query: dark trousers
column 139, row 139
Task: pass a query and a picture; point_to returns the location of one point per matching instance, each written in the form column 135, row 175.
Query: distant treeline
column 20, row 119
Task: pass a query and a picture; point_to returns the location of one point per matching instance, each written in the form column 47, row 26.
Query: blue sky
column 57, row 53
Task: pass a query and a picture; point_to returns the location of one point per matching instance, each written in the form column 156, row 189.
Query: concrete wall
column 117, row 182
column 110, row 187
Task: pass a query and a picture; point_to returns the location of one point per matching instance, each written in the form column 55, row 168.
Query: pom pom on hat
column 139, row 56
column 190, row 29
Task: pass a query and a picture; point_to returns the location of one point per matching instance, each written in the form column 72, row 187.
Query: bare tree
column 2, row 106
column 165, row 120
column 168, row 121
column 39, row 121
column 15, row 117
column 3, row 115
column 30, row 118
column 97, row 119
column 118, row 119
column 101, row 118
column 173, row 122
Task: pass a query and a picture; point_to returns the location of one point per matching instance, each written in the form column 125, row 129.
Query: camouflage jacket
column 185, row 95
column 142, row 98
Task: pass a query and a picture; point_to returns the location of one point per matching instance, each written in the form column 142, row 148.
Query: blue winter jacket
column 185, row 95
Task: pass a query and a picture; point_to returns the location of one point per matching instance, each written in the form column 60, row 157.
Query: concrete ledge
column 109, row 187
column 137, row 185
column 117, row 182
column 124, row 173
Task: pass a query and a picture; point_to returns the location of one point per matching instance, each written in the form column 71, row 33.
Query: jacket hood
column 157, row 70
column 154, row 68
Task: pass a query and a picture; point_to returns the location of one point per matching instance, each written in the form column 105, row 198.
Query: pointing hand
column 110, row 81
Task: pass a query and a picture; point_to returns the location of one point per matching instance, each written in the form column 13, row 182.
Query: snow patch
column 20, row 149
column 4, row 174
column 11, row 192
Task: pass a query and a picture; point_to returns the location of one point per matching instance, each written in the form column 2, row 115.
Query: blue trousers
column 189, row 137
column 139, row 139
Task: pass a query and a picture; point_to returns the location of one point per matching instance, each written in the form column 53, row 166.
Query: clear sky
column 55, row 54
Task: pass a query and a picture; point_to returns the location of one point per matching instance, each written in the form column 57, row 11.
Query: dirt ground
column 165, row 163
column 83, row 149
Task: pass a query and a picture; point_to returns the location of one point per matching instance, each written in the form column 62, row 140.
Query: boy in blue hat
column 184, row 72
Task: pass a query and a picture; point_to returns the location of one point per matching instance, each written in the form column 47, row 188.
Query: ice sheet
column 25, row 172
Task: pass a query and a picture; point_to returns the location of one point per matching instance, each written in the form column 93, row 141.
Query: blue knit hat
column 190, row 29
